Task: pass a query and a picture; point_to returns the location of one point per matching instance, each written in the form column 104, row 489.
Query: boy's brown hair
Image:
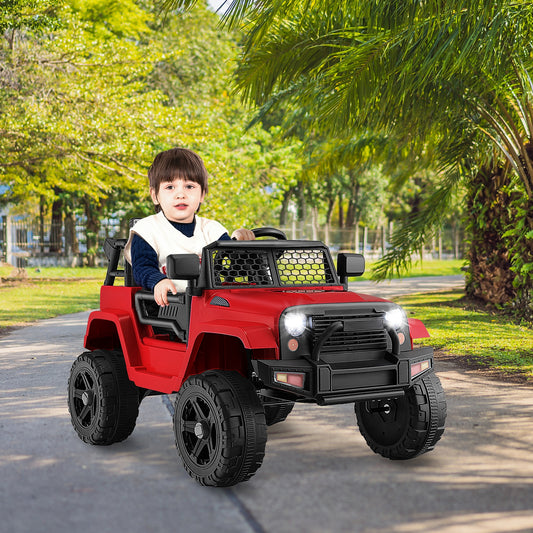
column 177, row 163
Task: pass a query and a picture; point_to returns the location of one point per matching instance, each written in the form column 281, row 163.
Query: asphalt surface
column 318, row 474
column 400, row 287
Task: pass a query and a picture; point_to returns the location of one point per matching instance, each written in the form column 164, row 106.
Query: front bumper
column 329, row 383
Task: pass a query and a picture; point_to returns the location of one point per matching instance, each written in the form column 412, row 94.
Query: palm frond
column 417, row 229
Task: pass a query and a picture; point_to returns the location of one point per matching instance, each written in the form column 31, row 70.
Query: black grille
column 241, row 267
column 360, row 332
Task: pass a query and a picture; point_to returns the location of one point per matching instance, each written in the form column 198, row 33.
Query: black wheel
column 402, row 428
column 220, row 429
column 275, row 411
column 102, row 401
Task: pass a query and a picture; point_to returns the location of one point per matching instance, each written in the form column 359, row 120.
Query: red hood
column 272, row 302
column 291, row 297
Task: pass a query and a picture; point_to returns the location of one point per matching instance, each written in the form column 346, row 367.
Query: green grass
column 434, row 267
column 34, row 294
column 27, row 301
column 54, row 273
column 490, row 340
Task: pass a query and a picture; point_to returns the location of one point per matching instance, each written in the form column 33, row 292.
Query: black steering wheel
column 268, row 231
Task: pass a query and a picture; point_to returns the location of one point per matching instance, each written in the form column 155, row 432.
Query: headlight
column 395, row 318
column 295, row 323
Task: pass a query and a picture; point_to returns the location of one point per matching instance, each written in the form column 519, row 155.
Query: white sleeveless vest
column 159, row 233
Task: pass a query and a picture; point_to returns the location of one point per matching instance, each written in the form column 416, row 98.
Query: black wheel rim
column 386, row 420
column 200, row 431
column 84, row 398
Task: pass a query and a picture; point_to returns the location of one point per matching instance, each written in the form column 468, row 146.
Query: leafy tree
column 34, row 15
column 76, row 134
column 452, row 76
column 90, row 97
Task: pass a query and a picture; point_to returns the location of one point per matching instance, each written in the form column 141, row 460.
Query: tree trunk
column 42, row 207
column 331, row 205
column 351, row 212
column 93, row 227
column 56, row 228
column 302, row 202
column 489, row 208
column 314, row 223
column 341, row 211
column 284, row 213
column 520, row 242
column 71, row 241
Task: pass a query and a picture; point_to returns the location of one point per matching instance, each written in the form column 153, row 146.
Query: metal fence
column 448, row 243
column 29, row 243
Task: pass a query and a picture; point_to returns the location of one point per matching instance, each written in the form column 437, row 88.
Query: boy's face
column 179, row 199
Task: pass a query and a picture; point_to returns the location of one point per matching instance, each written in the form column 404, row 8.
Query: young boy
column 178, row 185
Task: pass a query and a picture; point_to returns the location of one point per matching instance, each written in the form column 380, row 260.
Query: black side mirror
column 350, row 265
column 183, row 266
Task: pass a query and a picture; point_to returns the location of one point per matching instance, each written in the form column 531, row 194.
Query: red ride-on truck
column 263, row 324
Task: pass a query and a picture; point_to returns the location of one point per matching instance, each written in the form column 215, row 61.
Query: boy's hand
column 161, row 291
column 243, row 234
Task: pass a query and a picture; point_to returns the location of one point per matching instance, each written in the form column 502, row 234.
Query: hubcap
column 85, row 402
column 201, row 430
column 87, row 397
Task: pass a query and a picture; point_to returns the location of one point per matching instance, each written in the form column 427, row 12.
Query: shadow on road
column 318, row 474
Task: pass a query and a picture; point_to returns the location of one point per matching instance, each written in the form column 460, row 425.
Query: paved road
column 318, row 474
column 400, row 287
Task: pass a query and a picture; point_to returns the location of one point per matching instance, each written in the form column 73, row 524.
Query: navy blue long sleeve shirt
column 144, row 260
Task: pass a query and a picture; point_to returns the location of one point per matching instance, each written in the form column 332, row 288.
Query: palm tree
column 449, row 76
